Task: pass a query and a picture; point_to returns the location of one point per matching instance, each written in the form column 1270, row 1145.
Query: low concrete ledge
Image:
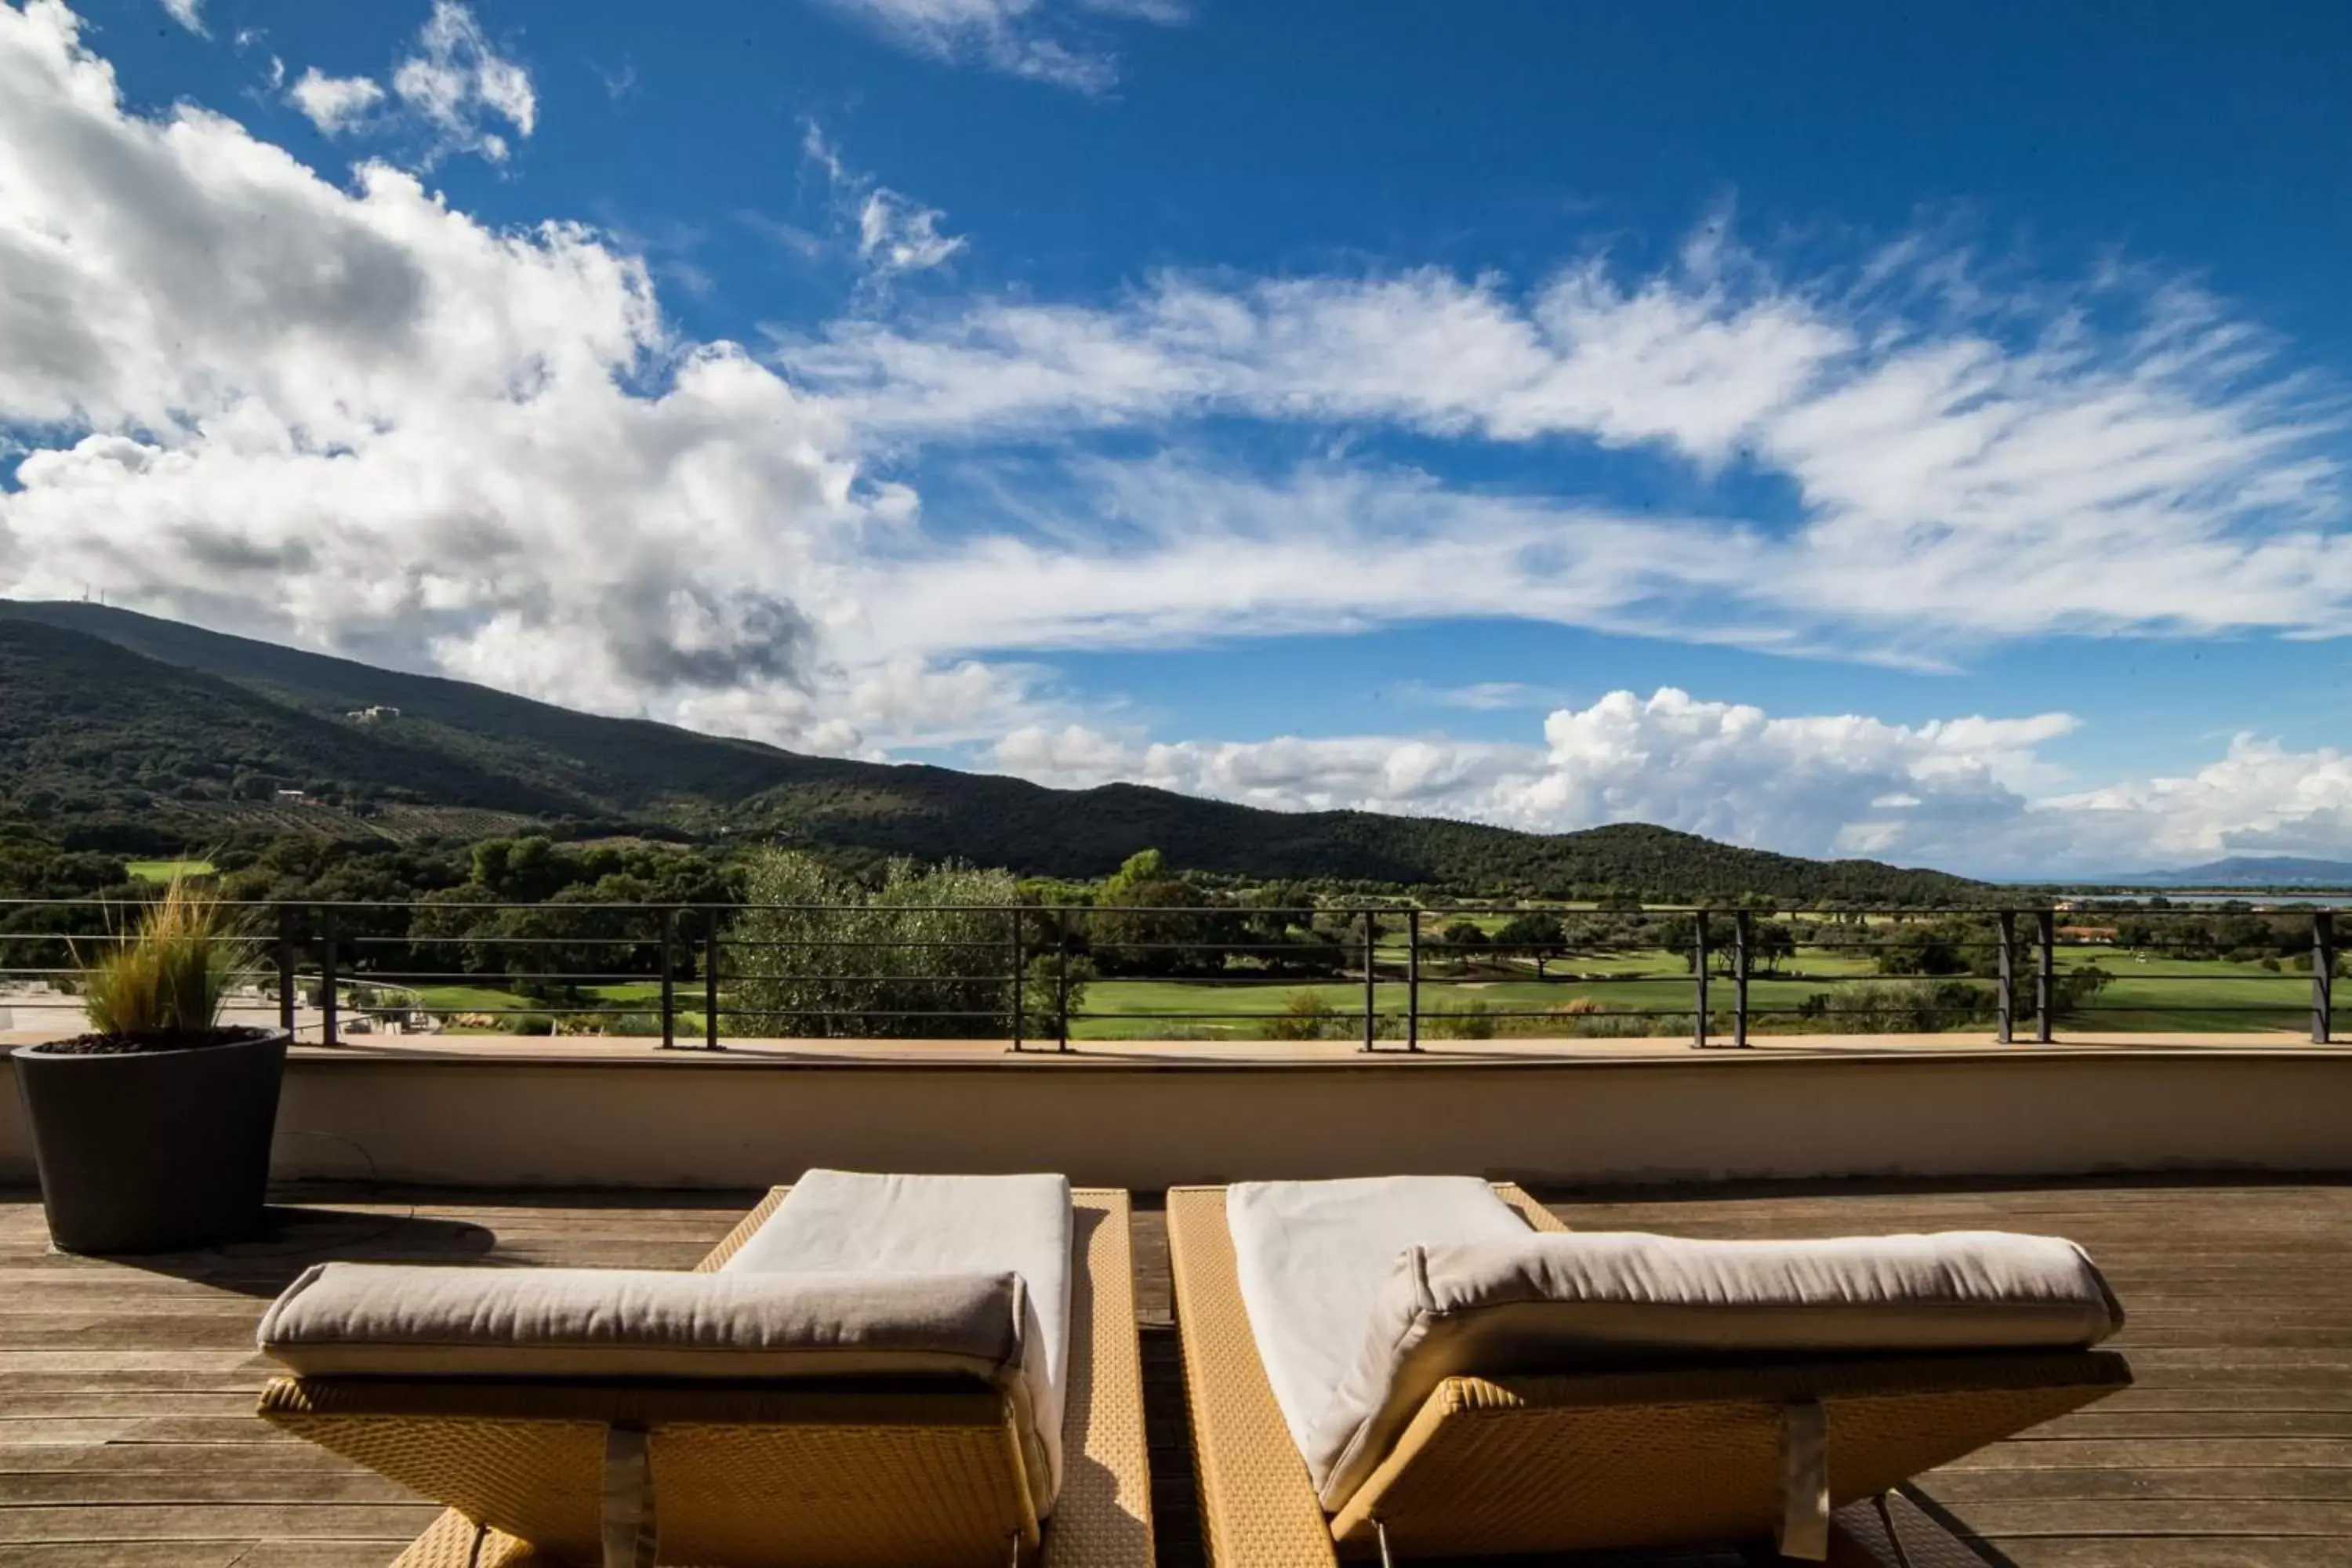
column 598, row 1117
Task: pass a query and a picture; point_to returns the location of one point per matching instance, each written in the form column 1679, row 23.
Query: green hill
column 122, row 731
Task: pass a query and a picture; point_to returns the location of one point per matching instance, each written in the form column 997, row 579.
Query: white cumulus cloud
column 2259, row 799
column 1817, row 784
column 446, row 94
column 334, row 104
column 456, row 81
column 1970, row 793
column 357, row 419
column 189, row 14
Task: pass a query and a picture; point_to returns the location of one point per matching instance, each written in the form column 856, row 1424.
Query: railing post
column 670, row 979
column 1698, row 957
column 710, row 978
column 287, row 997
column 1062, row 977
column 2008, row 990
column 1372, row 979
column 1413, row 978
column 327, row 1011
column 2045, row 974
column 1742, row 930
column 1019, row 1001
column 2323, row 977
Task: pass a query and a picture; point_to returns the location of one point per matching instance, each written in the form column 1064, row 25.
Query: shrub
column 1599, row 1026
column 1890, row 1008
column 839, row 960
column 610, row 1024
column 171, row 973
column 1044, row 982
column 1308, row 1016
column 1473, row 1022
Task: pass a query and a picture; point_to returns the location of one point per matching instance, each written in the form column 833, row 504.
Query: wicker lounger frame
column 1558, row 1464
column 909, row 1479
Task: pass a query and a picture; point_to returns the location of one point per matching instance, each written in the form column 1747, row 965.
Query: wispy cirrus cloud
column 2113, row 456
column 894, row 236
column 1483, row 695
column 1056, row 41
column 1173, row 551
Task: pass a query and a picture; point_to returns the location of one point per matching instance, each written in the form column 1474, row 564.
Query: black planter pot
column 150, row 1150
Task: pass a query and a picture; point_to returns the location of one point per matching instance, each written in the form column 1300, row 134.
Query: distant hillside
column 559, row 761
column 2249, row 872
column 148, row 727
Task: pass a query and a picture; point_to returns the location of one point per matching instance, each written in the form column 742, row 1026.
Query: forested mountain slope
column 115, row 721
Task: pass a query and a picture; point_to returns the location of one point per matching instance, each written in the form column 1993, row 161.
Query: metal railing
column 695, row 975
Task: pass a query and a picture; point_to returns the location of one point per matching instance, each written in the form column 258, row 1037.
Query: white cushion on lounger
column 1598, row 1301
column 1312, row 1257
column 847, row 1221
column 376, row 1319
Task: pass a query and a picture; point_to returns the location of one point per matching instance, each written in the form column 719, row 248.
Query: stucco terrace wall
column 586, row 1119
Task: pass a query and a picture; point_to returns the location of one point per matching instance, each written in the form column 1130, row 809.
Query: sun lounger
column 1432, row 1366
column 902, row 1371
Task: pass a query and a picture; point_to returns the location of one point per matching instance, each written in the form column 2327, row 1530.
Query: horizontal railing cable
column 1036, row 973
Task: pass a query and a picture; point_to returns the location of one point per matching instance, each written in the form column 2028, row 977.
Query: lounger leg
column 1804, row 1481
column 1381, row 1534
column 630, row 1528
column 1894, row 1535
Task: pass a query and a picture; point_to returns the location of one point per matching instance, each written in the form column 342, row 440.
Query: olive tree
column 816, row 953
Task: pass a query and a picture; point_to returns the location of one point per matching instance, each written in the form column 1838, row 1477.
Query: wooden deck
column 125, row 1390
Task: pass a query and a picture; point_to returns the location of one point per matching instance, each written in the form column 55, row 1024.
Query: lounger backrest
column 1310, row 1258
column 385, row 1321
column 862, row 1223
column 1601, row 1301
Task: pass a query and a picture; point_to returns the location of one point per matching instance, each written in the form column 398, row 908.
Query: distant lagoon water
column 2326, row 899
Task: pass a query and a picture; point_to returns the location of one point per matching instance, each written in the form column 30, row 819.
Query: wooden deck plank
column 125, row 1390
column 259, row 1460
column 214, row 1521
column 209, row 1485
column 2184, row 1551
column 130, row 1554
column 1962, row 1489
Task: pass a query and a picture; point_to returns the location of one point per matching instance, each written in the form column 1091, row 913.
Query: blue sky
column 1836, row 427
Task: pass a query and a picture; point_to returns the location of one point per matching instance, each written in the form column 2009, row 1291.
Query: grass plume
column 173, row 971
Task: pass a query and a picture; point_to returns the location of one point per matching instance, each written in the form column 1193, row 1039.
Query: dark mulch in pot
column 143, row 1042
